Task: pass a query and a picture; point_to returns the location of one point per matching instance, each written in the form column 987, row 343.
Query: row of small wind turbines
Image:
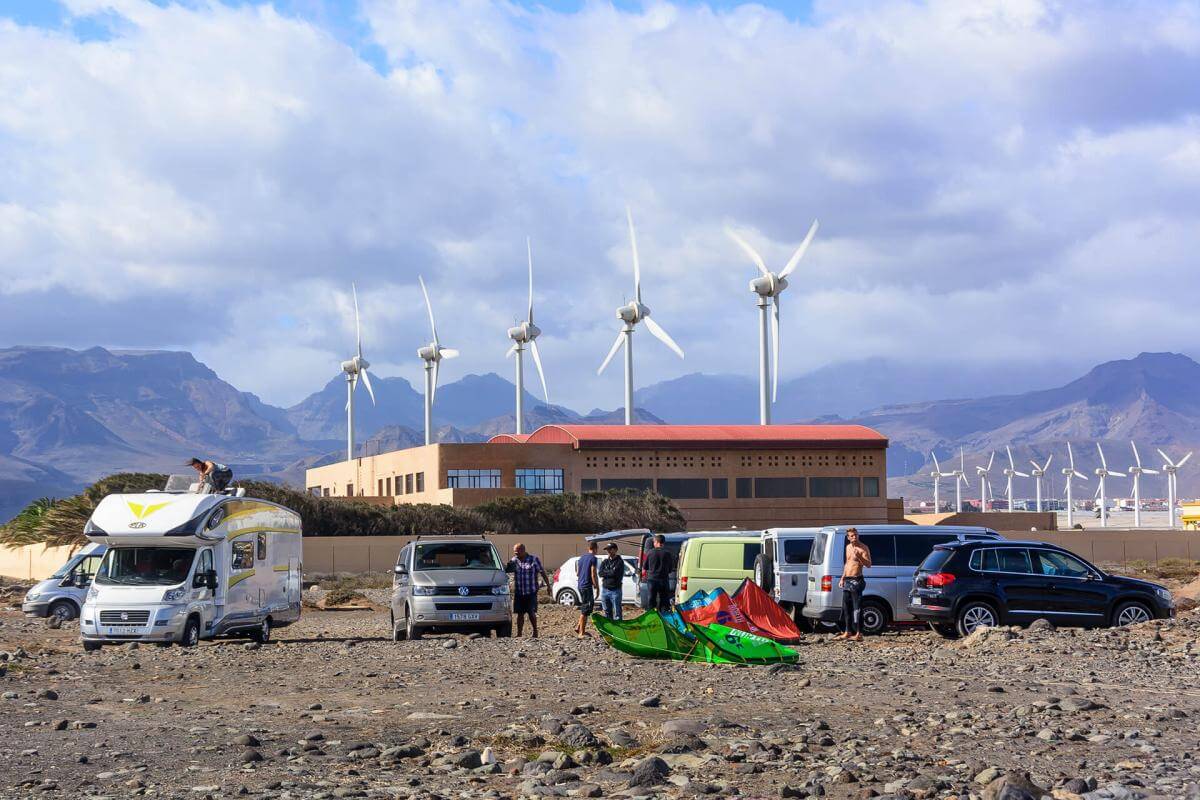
column 1039, row 471
column 767, row 287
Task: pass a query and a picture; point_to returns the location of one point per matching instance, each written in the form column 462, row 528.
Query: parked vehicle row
column 566, row 579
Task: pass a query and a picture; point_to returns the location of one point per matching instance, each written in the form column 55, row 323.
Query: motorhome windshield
column 456, row 555
column 145, row 566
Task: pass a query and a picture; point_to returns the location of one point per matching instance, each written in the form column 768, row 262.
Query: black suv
column 962, row 586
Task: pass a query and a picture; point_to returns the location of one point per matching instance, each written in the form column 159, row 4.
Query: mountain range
column 68, row 417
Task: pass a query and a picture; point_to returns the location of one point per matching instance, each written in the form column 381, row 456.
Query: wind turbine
column 1172, row 470
column 631, row 314
column 982, row 472
column 1103, row 472
column 960, row 480
column 1137, row 471
column 769, row 286
column 1010, row 473
column 937, row 476
column 355, row 368
column 526, row 334
column 1039, row 472
column 432, row 354
column 1070, row 472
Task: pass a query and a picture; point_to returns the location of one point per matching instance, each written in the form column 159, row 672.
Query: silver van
column 62, row 594
column 446, row 583
column 781, row 570
column 896, row 552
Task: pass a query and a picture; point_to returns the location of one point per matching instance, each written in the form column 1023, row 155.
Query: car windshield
column 145, row 566
column 455, row 555
column 66, row 568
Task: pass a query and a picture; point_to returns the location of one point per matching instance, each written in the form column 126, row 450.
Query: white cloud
column 981, row 171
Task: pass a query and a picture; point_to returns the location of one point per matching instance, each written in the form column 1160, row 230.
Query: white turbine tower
column 631, row 314
column 355, row 368
column 1070, row 472
column 1038, row 473
column 526, row 334
column 1172, row 470
column 432, row 354
column 1103, row 472
column 769, row 286
column 984, row 483
column 1009, row 474
column 960, row 480
column 937, row 476
column 1137, row 470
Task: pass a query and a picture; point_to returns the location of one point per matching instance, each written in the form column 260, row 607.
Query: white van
column 181, row 567
column 896, row 552
column 61, row 595
column 781, row 570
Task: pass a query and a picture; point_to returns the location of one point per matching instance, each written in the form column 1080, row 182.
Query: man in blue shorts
column 525, row 568
column 586, row 582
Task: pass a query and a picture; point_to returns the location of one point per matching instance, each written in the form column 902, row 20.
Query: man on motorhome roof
column 214, row 477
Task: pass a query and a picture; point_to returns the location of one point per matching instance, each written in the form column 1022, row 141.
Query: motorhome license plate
column 464, row 616
column 124, row 629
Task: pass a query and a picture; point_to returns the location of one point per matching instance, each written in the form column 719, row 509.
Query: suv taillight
column 826, row 583
column 939, row 580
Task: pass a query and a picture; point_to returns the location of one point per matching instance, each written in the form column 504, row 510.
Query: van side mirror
column 400, row 569
column 68, row 581
column 210, row 579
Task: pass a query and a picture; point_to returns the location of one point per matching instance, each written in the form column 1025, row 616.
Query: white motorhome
column 182, row 566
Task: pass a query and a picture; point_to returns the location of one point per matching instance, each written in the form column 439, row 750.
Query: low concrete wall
column 325, row 554
column 33, row 562
column 996, row 520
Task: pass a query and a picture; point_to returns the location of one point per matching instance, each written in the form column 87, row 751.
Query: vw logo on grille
column 124, row 616
column 464, row 591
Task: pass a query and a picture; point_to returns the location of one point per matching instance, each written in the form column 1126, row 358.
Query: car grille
column 131, row 617
column 463, row 606
column 471, row 590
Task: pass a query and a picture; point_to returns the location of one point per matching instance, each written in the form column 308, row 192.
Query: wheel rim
column 567, row 599
column 62, row 612
column 978, row 617
column 192, row 635
column 1131, row 615
column 266, row 631
column 872, row 620
column 758, row 574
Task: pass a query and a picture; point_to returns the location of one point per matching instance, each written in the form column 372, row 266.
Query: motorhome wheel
column 262, row 634
column 191, row 633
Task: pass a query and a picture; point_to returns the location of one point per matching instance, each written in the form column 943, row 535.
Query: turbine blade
column 357, row 324
column 1149, row 472
column 1118, row 474
column 1011, row 464
column 367, row 382
column 1103, row 463
column 662, row 335
column 612, row 352
column 1165, row 458
column 1020, row 474
column 936, row 466
column 775, row 351
column 1183, row 460
column 1048, row 460
column 1071, row 455
column 637, row 267
column 433, row 392
column 429, row 308
column 537, row 362
column 529, row 248
column 1136, row 457
column 799, row 254
column 448, row 352
column 1035, row 464
column 1080, row 475
column 750, row 251
column 510, row 352
column 991, row 458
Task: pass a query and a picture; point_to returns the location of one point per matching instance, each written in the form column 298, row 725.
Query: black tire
column 504, row 631
column 875, row 617
column 412, row 631
column 262, row 634
column 975, row 614
column 946, row 630
column 567, row 597
column 191, row 633
column 398, row 634
column 764, row 572
column 1131, row 612
column 91, row 647
column 64, row 610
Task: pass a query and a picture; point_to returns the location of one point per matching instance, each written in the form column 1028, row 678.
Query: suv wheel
column 504, row 631
column 412, row 631
column 398, row 634
column 874, row 617
column 944, row 629
column 1131, row 613
column 567, row 597
column 974, row 615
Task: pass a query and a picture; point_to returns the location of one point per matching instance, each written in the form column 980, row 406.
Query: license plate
column 916, row 601
column 124, row 629
column 464, row 616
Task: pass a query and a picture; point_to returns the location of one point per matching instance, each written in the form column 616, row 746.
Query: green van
column 712, row 562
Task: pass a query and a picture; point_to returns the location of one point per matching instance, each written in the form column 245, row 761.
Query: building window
column 683, row 488
column 720, row 488
column 744, row 487
column 420, row 481
column 325, row 493
column 589, row 485
column 833, row 487
column 349, row 490
column 779, row 487
column 870, row 487
column 399, row 483
column 540, row 481
column 641, row 484
column 387, row 485
column 315, row 491
column 408, row 483
column 379, row 492
column 473, row 479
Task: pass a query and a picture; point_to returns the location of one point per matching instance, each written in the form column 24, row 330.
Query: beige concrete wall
column 328, row 554
column 996, row 520
column 1121, row 546
column 32, row 562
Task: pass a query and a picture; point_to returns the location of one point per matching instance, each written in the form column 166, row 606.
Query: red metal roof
column 584, row 437
column 509, row 438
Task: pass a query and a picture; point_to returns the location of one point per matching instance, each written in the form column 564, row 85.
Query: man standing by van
column 852, row 582
column 525, row 568
column 612, row 575
column 586, row 582
column 660, row 563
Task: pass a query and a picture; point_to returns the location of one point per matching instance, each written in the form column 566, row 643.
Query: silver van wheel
column 1132, row 614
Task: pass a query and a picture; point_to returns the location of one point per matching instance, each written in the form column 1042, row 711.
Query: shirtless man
column 852, row 583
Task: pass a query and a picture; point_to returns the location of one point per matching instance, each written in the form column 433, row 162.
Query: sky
column 998, row 182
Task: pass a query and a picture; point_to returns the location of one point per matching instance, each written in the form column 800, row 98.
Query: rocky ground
column 333, row 708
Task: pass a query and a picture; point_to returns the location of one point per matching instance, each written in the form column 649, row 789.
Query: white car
column 565, row 581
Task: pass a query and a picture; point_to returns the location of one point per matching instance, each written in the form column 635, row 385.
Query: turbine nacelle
column 633, row 313
column 524, row 333
column 355, row 365
column 430, row 352
column 769, row 285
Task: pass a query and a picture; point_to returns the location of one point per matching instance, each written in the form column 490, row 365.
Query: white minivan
column 61, row 595
column 896, row 552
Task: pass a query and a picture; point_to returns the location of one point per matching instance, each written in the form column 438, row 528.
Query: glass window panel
column 641, row 484
column 796, row 551
column 744, row 487
column 833, row 487
column 540, row 481
column 911, row 549
column 870, row 487
column 882, row 547
column 780, row 487
column 720, row 488
column 683, row 488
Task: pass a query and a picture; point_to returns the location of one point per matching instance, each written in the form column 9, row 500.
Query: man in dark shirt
column 612, row 575
column 660, row 563
column 586, row 582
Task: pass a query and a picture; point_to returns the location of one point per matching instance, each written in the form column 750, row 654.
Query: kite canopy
column 764, row 613
column 716, row 607
column 652, row 636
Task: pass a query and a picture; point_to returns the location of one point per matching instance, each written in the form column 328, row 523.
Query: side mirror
column 68, row 581
column 400, row 569
column 210, row 579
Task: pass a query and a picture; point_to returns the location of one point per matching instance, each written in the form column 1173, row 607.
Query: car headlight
column 1164, row 594
column 423, row 591
column 32, row 595
column 502, row 589
column 91, row 593
column 174, row 595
